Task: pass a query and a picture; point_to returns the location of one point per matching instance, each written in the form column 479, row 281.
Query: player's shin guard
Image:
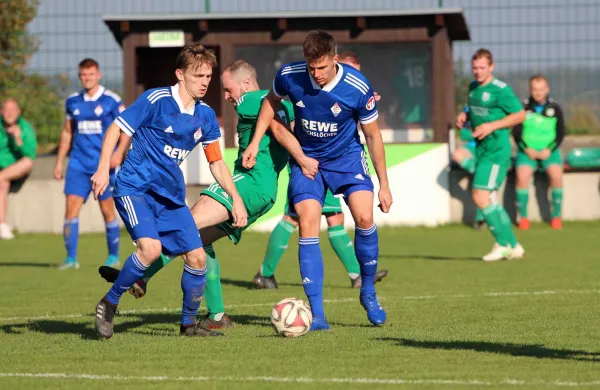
column 366, row 242
column 132, row 270
column 342, row 245
column 493, row 217
column 312, row 272
column 71, row 236
column 159, row 264
column 507, row 227
column 278, row 243
column 192, row 285
column 213, row 293
column 557, row 198
column 113, row 235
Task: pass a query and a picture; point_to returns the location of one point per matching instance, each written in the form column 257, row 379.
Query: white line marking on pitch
column 344, row 300
column 469, row 382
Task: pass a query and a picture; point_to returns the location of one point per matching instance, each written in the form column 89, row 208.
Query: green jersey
column 271, row 157
column 9, row 151
column 489, row 103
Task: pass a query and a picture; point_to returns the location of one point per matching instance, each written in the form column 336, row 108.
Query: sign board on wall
column 166, row 38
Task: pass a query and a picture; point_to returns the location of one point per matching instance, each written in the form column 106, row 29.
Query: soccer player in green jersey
column 338, row 237
column 494, row 109
column 257, row 186
column 539, row 138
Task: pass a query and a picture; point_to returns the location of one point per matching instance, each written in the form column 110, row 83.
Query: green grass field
column 453, row 321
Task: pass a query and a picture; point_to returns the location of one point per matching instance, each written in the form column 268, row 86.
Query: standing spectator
column 539, row 138
column 17, row 152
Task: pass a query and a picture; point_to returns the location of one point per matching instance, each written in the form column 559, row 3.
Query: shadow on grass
column 538, row 351
column 430, row 257
column 24, row 264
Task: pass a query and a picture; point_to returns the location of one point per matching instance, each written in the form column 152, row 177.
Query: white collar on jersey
column 175, row 94
column 332, row 83
column 99, row 92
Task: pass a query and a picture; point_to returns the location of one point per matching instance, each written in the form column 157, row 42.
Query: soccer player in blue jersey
column 329, row 99
column 88, row 115
column 165, row 124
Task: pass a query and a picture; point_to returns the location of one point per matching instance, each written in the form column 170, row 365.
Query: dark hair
column 317, row 44
column 87, row 63
column 538, row 77
column 194, row 56
column 483, row 53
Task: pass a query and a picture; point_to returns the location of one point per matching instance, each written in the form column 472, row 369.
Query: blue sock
column 133, row 269
column 71, row 236
column 312, row 272
column 192, row 285
column 366, row 242
column 113, row 235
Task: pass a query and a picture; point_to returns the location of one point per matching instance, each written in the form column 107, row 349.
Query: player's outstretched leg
column 133, row 269
column 216, row 318
column 193, row 280
column 278, row 243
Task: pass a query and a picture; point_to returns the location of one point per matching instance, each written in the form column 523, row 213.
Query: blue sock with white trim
column 366, row 242
column 312, row 272
column 193, row 281
column 133, row 269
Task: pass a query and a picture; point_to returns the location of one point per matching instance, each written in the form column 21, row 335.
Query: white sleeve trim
column 124, row 126
column 369, row 119
column 68, row 117
column 275, row 91
column 206, row 143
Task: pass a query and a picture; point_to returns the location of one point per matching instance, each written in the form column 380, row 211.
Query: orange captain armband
column 213, row 151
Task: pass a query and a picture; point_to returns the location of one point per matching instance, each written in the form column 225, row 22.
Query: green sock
column 213, row 293
column 159, row 264
column 478, row 215
column 522, row 200
column 493, row 216
column 278, row 243
column 342, row 245
column 557, row 197
column 507, row 227
column 468, row 164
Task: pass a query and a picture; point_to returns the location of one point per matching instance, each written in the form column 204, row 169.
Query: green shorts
column 489, row 175
column 330, row 205
column 257, row 203
column 554, row 159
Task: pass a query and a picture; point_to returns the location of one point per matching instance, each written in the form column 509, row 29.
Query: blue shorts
column 80, row 183
column 343, row 176
column 147, row 216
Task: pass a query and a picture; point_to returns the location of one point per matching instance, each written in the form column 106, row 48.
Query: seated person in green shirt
column 538, row 139
column 17, row 152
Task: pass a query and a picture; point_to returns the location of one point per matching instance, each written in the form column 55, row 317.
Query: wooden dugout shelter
column 151, row 43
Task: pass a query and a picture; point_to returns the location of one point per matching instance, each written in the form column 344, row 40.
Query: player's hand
column 385, row 199
column 239, row 213
column 377, row 96
column 460, row 120
column 58, row 175
column 100, row 181
column 116, row 160
column 544, row 154
column 532, row 153
column 309, row 166
column 249, row 156
column 483, row 131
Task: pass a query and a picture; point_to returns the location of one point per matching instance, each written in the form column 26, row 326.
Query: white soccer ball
column 291, row 317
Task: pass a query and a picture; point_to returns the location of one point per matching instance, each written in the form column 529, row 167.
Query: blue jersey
column 326, row 118
column 91, row 117
column 163, row 134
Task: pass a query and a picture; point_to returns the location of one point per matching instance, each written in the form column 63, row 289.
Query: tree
column 39, row 100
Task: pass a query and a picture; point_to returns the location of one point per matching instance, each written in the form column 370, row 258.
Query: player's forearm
column 63, row 146
column 377, row 152
column 223, row 177
column 286, row 139
column 123, row 147
column 111, row 137
column 265, row 116
column 509, row 121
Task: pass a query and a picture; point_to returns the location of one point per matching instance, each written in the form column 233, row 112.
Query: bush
column 581, row 119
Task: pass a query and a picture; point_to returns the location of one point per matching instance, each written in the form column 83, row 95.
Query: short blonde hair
column 241, row 66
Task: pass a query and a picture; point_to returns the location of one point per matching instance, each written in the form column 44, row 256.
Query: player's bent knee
column 481, row 198
column 149, row 250
column 196, row 258
column 290, row 219
column 364, row 221
column 335, row 219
